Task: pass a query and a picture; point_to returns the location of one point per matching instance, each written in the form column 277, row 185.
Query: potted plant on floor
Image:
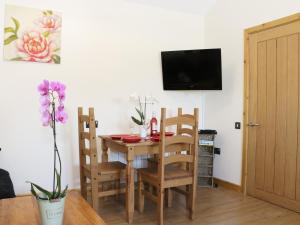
column 51, row 203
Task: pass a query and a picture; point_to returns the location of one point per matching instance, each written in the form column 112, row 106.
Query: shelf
column 206, row 155
column 206, row 145
column 206, row 160
column 204, row 166
column 205, row 186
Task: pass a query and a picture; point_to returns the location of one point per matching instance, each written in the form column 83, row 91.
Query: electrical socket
column 217, row 151
column 237, row 125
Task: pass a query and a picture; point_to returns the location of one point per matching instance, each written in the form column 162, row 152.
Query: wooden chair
column 153, row 163
column 166, row 176
column 93, row 175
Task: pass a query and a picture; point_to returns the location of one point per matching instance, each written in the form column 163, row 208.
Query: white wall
column 109, row 50
column 224, row 26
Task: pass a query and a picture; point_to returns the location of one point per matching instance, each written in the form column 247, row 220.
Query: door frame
column 247, row 32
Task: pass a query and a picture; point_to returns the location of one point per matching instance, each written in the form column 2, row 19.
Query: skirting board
column 227, row 185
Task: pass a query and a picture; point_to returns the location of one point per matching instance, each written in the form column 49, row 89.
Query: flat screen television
column 192, row 69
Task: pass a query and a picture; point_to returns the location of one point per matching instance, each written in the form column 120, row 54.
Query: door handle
column 253, row 124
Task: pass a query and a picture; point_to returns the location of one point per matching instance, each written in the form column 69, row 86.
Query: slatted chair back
column 180, row 128
column 87, row 147
column 186, row 137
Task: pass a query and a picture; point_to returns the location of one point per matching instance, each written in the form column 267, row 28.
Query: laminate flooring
column 217, row 206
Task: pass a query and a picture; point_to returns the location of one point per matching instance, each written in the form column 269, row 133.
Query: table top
column 146, row 142
column 24, row 211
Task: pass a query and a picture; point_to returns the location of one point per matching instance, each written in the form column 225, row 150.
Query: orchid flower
column 43, row 88
column 52, row 93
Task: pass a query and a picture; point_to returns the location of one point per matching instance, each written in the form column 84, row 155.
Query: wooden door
column 273, row 151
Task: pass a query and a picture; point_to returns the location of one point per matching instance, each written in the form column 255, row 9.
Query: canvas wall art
column 32, row 35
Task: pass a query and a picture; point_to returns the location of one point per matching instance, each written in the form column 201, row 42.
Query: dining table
column 130, row 150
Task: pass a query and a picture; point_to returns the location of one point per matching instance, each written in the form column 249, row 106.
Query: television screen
column 192, row 69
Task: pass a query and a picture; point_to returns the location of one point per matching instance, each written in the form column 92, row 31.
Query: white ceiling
column 186, row 6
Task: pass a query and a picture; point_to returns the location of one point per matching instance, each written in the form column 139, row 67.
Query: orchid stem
column 54, row 137
column 145, row 110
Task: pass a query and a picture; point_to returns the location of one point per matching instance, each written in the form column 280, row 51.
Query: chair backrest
column 185, row 139
column 87, row 138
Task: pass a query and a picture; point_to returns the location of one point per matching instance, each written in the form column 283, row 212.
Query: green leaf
column 141, row 114
column 33, row 191
column 45, row 13
column 49, row 12
column 17, row 59
column 138, row 122
column 63, row 194
column 56, row 50
column 9, row 30
column 47, row 193
column 58, row 185
column 46, row 34
column 17, row 24
column 56, row 59
column 10, row 39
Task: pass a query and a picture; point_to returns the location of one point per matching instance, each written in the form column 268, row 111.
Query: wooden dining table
column 24, row 211
column 131, row 150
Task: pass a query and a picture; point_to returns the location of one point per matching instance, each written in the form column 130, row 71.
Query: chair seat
column 111, row 166
column 171, row 172
column 108, row 167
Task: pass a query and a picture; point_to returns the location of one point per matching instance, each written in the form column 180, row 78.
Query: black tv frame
column 183, row 86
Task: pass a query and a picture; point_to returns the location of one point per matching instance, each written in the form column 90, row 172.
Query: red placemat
column 131, row 139
column 155, row 138
column 119, row 136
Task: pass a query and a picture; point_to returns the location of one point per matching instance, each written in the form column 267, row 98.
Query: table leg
column 130, row 186
column 104, row 158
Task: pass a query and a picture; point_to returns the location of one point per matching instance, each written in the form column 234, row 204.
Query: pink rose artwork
column 32, row 35
column 34, row 47
column 49, row 23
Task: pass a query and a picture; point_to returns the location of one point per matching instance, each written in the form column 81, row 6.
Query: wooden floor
column 214, row 207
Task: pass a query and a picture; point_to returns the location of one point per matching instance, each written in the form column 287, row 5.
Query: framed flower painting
column 32, row 35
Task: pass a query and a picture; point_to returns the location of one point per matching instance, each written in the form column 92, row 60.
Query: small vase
column 51, row 212
column 143, row 131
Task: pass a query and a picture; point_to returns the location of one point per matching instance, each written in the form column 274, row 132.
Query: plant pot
column 51, row 212
column 143, row 131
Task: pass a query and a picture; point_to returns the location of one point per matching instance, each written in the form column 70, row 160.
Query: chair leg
column 160, row 206
column 101, row 200
column 117, row 187
column 187, row 199
column 155, row 191
column 95, row 199
column 141, row 197
column 83, row 188
column 169, row 196
column 151, row 190
column 192, row 200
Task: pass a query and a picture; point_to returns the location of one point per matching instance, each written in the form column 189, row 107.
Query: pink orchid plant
column 52, row 97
